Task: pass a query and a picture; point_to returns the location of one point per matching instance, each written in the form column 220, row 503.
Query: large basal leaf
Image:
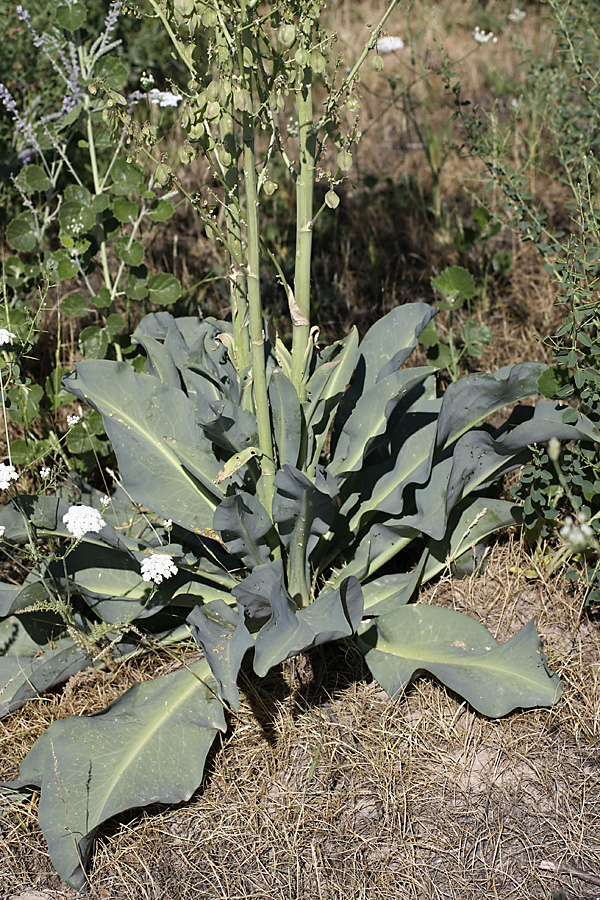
column 224, row 638
column 470, row 522
column 139, row 411
column 494, row 678
column 243, row 523
column 384, row 349
column 287, row 418
column 387, row 592
column 149, row 746
column 470, row 400
column 22, row 678
column 370, row 416
column 325, row 389
column 302, row 514
column 335, row 614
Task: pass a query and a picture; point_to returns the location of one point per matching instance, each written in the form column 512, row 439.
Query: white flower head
column 158, row 566
column 6, row 336
column 483, row 37
column 73, row 420
column 168, row 524
column 105, row 501
column 164, row 98
column 517, row 15
column 580, row 536
column 45, row 472
column 79, row 520
column 8, row 473
column 2, row 531
column 389, row 44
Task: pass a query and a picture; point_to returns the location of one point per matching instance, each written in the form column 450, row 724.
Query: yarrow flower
column 158, row 566
column 79, row 520
column 45, row 472
column 168, row 524
column 389, row 44
column 72, row 421
column 157, row 98
column 6, row 336
column 517, row 15
column 580, row 535
column 8, row 473
column 105, row 501
column 2, row 531
column 483, row 37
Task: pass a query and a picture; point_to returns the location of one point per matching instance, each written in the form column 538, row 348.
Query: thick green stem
column 299, row 303
column 257, row 334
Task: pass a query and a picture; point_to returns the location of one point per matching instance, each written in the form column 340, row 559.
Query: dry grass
column 326, row 789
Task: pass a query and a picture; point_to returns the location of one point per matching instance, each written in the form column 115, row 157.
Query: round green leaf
column 20, row 232
column 71, row 17
column 161, row 211
column 163, row 289
column 74, row 305
column 131, row 254
column 113, row 70
column 126, row 176
column 125, row 210
column 455, row 282
column 93, row 342
column 65, row 269
column 32, row 179
column 78, row 193
column 75, row 218
column 114, row 324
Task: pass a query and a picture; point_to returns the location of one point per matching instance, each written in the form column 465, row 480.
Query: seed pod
column 317, row 62
column 302, row 56
column 209, row 18
column 376, row 63
column 212, row 91
column 162, row 174
column 286, row 36
column 213, row 110
column 332, row 200
column 186, row 154
column 344, row 160
column 269, row 188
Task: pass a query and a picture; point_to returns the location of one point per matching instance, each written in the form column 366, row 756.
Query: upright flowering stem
column 300, row 302
column 257, row 334
column 95, row 172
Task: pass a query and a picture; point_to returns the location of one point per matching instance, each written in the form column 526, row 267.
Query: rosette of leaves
column 379, row 484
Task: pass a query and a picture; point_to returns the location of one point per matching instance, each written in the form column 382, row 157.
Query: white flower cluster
column 45, row 472
column 6, row 336
column 158, row 566
column 517, row 15
column 157, row 98
column 8, row 473
column 389, row 44
column 579, row 535
column 483, row 37
column 72, row 421
column 81, row 519
column 2, row 530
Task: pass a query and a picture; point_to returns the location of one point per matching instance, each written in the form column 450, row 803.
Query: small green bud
column 352, row 104
column 376, row 63
column 344, row 160
column 286, row 36
column 332, row 200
